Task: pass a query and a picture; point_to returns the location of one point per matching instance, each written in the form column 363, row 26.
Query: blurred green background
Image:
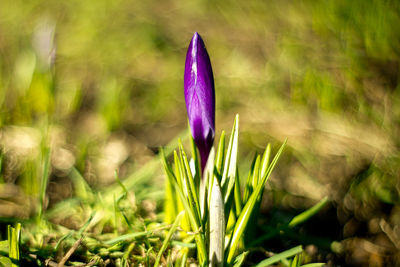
column 100, row 83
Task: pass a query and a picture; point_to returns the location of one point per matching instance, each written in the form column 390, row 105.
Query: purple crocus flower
column 200, row 96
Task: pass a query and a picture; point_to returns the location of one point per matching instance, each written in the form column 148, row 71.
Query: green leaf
column 44, row 181
column 249, row 234
column 176, row 178
column 5, row 262
column 248, row 188
column 182, row 257
column 87, row 223
column 265, row 160
column 295, row 262
column 243, row 219
column 4, row 247
column 14, row 235
column 171, row 203
column 189, row 183
column 201, row 247
column 256, row 174
column 281, row 256
column 239, row 260
column 127, row 237
column 183, row 244
column 82, row 188
column 205, row 186
column 237, row 196
column 219, row 160
column 305, row 215
column 318, row 264
column 196, row 159
column 167, row 239
column 300, row 218
column 228, row 176
column 143, row 174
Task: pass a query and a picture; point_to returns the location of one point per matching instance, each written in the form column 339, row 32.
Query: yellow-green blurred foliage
column 101, row 82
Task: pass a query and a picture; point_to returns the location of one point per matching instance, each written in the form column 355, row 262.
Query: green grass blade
column 232, row 151
column 248, row 188
column 1, row 168
column 219, row 159
column 183, row 244
column 201, row 247
column 81, row 187
column 182, row 190
column 64, row 237
column 205, row 186
column 182, row 257
column 168, row 238
column 318, row 264
column 302, row 217
column 44, row 181
column 179, row 172
column 245, row 215
column 239, row 260
column 193, row 191
column 14, row 235
column 249, row 234
column 265, row 160
column 196, row 159
column 171, row 208
column 144, row 173
column 228, row 177
column 305, row 215
column 295, row 262
column 87, row 223
column 281, row 256
column 127, row 237
column 237, row 196
column 256, row 174
column 180, row 181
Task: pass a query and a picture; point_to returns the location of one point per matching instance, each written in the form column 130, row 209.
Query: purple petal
column 200, row 96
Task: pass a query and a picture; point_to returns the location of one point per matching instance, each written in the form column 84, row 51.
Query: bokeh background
column 100, row 84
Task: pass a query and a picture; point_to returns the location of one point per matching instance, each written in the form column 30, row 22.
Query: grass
column 88, row 89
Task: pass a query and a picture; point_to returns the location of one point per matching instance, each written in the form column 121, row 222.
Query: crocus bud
column 200, row 96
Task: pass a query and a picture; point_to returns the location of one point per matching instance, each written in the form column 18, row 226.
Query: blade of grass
column 265, row 160
column 44, row 182
column 256, row 174
column 205, row 186
column 318, row 264
column 126, row 237
column 238, row 200
column 196, row 159
column 167, row 239
column 305, row 215
column 193, row 191
column 228, row 176
column 82, row 188
column 243, row 219
column 14, row 235
column 281, row 256
column 219, row 159
column 239, row 260
column 144, row 173
column 248, row 188
column 300, row 218
column 172, row 179
column 201, row 247
column 183, row 244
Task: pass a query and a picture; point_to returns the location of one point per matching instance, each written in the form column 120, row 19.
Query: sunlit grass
column 88, row 89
